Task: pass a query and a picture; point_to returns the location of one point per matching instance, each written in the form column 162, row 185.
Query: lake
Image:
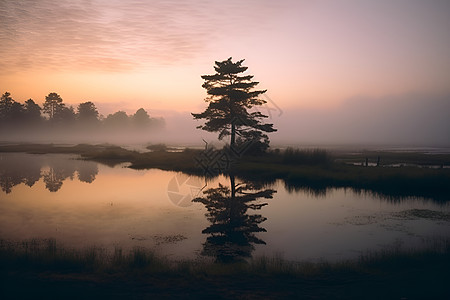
column 84, row 203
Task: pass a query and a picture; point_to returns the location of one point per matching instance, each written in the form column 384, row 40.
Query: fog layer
column 412, row 120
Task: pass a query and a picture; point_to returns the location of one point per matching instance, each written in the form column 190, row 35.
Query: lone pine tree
column 231, row 95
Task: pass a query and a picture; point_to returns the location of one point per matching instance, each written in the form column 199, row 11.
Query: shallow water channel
column 84, row 203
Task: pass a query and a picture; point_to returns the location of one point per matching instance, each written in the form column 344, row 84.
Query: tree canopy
column 141, row 118
column 32, row 111
column 87, row 112
column 6, row 105
column 52, row 104
column 231, row 96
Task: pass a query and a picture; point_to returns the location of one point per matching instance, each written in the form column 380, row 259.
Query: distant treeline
column 54, row 113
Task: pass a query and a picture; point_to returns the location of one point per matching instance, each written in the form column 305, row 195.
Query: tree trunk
column 233, row 134
column 232, row 211
column 233, row 186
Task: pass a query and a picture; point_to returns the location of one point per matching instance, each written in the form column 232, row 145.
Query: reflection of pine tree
column 232, row 230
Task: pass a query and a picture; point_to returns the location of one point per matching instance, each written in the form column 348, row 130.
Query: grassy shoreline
column 314, row 170
column 43, row 267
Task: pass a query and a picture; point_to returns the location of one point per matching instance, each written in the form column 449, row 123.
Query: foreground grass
column 42, row 268
column 315, row 170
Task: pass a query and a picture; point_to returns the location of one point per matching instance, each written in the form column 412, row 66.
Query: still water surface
column 83, row 203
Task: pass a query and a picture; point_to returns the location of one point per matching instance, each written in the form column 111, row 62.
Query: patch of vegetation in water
column 383, row 217
column 424, row 214
column 388, row 158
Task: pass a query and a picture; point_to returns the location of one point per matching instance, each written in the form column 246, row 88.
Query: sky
column 344, row 71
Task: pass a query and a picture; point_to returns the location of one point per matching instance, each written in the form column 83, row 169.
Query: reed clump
column 306, row 156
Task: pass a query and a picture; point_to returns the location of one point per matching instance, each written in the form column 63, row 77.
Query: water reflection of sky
column 124, row 207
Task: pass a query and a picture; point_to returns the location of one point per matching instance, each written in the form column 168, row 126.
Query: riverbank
column 43, row 268
column 397, row 175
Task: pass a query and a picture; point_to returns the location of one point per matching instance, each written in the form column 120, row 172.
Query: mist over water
column 416, row 121
column 409, row 120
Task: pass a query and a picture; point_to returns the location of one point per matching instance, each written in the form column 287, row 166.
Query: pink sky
column 307, row 54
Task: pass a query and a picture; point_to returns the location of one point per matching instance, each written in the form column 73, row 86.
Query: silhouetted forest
column 57, row 118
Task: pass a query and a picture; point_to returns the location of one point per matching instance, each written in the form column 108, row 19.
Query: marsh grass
column 44, row 268
column 157, row 147
column 395, row 157
column 433, row 260
column 49, row 255
column 306, row 156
